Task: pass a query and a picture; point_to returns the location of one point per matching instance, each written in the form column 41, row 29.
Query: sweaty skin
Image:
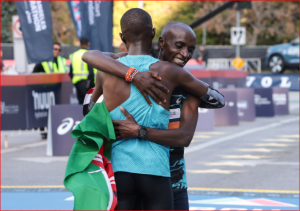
column 117, row 90
column 176, row 48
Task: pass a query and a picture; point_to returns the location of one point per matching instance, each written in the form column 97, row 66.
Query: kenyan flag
column 87, row 100
column 89, row 175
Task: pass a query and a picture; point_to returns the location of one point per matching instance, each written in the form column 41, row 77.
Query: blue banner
column 290, row 81
column 74, row 7
column 96, row 20
column 36, row 26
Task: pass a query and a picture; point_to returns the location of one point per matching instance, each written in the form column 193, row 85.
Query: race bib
column 174, row 113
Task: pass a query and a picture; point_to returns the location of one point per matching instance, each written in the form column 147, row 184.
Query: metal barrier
column 250, row 65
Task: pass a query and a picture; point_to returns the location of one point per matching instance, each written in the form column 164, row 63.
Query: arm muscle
column 182, row 136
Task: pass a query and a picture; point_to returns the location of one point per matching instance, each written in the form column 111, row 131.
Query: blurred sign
column 19, row 46
column 238, row 36
column 281, row 101
column 263, row 100
column 96, row 21
column 17, row 33
column 245, row 104
column 205, row 120
column 25, row 106
column 244, row 5
column 290, row 81
column 238, row 62
column 227, row 115
column 74, row 7
column 39, row 100
column 36, row 23
column 62, row 120
column 13, row 107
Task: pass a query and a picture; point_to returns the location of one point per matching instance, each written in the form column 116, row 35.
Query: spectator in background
column 3, row 68
column 81, row 73
column 123, row 47
column 202, row 56
column 58, row 66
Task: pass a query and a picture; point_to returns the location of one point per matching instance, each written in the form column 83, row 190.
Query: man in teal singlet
column 142, row 167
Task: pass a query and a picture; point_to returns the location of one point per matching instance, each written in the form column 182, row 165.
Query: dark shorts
column 181, row 200
column 153, row 192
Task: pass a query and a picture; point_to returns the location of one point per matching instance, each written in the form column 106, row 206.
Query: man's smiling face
column 178, row 45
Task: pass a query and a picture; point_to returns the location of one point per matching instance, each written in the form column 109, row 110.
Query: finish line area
column 52, row 198
column 253, row 166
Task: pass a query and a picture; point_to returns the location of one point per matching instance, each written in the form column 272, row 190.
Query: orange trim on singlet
column 174, row 125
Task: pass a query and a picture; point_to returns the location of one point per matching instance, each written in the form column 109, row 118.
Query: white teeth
column 178, row 61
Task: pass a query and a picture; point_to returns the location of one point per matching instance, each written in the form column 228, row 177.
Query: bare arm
column 187, row 81
column 180, row 137
column 96, row 93
column 98, row 89
column 210, row 97
column 105, row 62
column 144, row 81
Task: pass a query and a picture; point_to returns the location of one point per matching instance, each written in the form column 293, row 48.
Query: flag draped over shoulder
column 87, row 100
column 89, row 174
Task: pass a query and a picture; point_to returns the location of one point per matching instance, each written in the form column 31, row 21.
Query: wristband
column 131, row 74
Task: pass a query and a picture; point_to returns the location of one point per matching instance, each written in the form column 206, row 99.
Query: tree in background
column 62, row 24
column 8, row 9
column 267, row 23
column 160, row 12
column 271, row 22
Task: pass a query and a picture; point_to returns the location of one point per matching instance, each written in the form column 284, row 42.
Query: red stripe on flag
column 91, row 91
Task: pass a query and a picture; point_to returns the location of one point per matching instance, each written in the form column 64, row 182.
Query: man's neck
column 138, row 48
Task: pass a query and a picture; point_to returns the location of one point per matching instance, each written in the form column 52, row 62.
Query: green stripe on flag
column 88, row 187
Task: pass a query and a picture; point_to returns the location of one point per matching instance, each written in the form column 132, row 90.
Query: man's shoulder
column 164, row 66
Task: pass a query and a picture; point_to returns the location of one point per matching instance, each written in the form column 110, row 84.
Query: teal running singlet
column 139, row 155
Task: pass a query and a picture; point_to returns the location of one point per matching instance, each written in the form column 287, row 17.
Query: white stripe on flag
column 111, row 197
column 100, row 99
column 98, row 159
column 87, row 99
column 99, row 156
column 91, row 172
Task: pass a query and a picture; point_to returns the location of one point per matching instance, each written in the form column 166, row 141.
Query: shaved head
column 177, row 43
column 176, row 25
column 136, row 21
column 136, row 26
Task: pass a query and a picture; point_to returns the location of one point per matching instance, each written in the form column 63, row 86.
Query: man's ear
column 122, row 38
column 161, row 42
column 153, row 33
